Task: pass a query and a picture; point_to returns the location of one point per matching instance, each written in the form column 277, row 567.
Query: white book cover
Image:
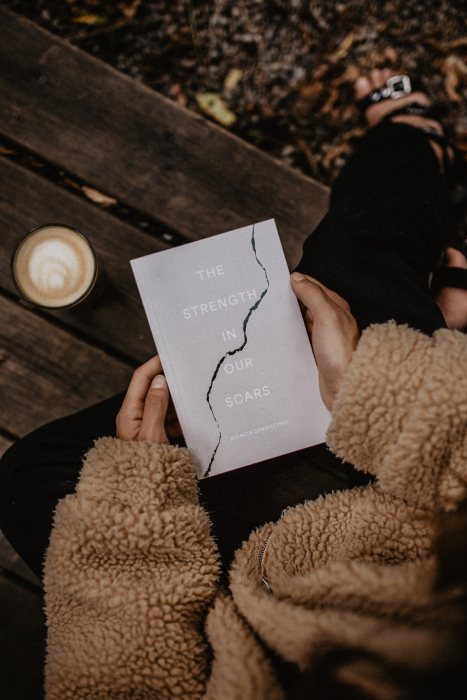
column 234, row 348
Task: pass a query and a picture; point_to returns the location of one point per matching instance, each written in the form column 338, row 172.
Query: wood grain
column 22, row 642
column 4, row 444
column 134, row 144
column 118, row 319
column 47, row 373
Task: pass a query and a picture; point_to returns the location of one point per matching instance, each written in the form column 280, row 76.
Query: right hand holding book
column 332, row 329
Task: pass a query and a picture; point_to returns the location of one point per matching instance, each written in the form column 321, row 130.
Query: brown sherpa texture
column 132, row 567
column 402, row 414
column 241, row 670
column 323, row 563
column 129, row 573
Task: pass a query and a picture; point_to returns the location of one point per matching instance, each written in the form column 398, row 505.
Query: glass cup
column 54, row 267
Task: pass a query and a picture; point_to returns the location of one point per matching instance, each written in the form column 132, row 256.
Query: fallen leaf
column 98, row 197
column 72, row 183
column 345, row 46
column 129, row 11
column 312, row 160
column 445, row 47
column 90, row 19
column 391, row 54
column 176, row 93
column 326, row 162
column 350, row 75
column 233, row 78
column 309, row 97
column 327, row 107
column 6, row 151
column 188, row 62
column 212, row 104
column 461, row 142
column 268, row 112
column 354, row 134
column 320, row 70
column 456, row 71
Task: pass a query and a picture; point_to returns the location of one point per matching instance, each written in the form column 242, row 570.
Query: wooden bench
column 101, row 128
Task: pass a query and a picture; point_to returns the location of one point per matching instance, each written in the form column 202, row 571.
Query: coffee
column 54, row 266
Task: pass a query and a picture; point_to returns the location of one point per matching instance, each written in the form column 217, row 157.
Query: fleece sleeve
column 401, row 414
column 129, row 573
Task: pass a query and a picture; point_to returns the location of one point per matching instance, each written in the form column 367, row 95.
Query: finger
column 311, row 294
column 298, row 277
column 155, row 409
column 455, row 258
column 362, row 87
column 131, row 413
column 139, row 385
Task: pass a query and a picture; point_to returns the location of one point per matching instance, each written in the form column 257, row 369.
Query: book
column 233, row 347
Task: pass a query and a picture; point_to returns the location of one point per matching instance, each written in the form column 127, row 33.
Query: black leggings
column 376, row 247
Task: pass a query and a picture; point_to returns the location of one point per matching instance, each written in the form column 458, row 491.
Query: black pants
column 376, row 247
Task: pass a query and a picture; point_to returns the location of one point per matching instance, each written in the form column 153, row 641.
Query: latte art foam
column 54, row 266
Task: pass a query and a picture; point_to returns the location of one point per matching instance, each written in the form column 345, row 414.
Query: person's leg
column 43, row 467
column 384, row 233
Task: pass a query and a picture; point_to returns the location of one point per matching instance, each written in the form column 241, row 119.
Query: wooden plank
column 10, row 561
column 22, row 642
column 27, row 200
column 4, row 444
column 47, row 372
column 140, row 147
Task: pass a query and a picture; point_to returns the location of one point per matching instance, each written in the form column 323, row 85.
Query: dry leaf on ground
column 328, row 107
column 233, row 78
column 310, row 96
column 6, row 151
column 345, row 46
column 350, row 75
column 354, row 134
column 90, row 19
column 177, row 94
column 98, row 197
column 456, row 71
column 311, row 158
column 461, row 142
column 334, row 153
column 212, row 104
column 129, row 11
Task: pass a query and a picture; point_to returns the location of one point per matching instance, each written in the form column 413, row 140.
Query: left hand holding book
column 143, row 412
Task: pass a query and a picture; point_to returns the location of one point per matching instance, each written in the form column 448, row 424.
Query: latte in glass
column 54, row 266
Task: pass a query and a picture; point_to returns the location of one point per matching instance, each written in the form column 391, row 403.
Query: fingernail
column 159, row 382
column 297, row 276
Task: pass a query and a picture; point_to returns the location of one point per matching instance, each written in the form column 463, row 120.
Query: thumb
column 314, row 296
column 455, row 258
column 155, row 409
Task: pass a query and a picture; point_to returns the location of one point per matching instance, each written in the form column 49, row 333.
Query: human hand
column 144, row 408
column 451, row 300
column 332, row 329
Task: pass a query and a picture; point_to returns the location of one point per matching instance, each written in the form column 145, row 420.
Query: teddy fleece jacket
column 132, row 602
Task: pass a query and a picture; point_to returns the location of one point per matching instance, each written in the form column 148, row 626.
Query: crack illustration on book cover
column 234, row 352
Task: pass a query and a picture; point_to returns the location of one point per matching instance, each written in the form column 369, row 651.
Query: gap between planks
column 139, row 147
column 118, row 320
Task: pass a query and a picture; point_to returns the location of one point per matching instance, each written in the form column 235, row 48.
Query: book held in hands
column 234, row 348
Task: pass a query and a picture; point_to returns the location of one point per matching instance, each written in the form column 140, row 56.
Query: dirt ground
column 278, row 73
